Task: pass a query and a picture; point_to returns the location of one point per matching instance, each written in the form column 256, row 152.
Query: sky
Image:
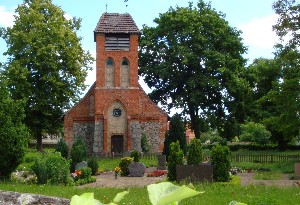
column 253, row 17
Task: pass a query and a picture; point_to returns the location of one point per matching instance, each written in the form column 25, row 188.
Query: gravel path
column 248, row 179
column 107, row 179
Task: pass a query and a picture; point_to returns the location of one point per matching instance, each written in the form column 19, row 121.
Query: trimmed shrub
column 220, row 159
column 175, row 158
column 194, row 155
column 145, row 144
column 63, row 148
column 13, row 133
column 51, row 168
column 135, row 155
column 93, row 164
column 124, row 163
column 78, row 152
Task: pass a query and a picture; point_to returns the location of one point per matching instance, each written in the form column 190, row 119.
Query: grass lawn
column 215, row 194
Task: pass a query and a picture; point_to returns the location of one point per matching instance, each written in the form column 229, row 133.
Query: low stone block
column 161, row 165
column 15, row 198
column 80, row 165
column 297, row 171
column 136, row 169
column 195, row 173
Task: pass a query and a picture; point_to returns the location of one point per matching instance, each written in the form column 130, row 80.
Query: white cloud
column 258, row 32
column 91, row 77
column 6, row 16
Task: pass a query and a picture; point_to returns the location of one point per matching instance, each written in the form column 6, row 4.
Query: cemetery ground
column 242, row 188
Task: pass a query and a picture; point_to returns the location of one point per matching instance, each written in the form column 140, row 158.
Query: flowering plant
column 76, row 174
column 157, row 173
column 117, row 170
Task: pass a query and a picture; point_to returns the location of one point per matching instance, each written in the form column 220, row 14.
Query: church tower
column 116, row 112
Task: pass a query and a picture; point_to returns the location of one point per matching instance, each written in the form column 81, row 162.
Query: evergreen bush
column 51, row 168
column 135, row 155
column 124, row 163
column 220, row 159
column 13, row 133
column 63, row 148
column 175, row 158
column 175, row 133
column 93, row 164
column 145, row 144
column 194, row 155
column 78, row 152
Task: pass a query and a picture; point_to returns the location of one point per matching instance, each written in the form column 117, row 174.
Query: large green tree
column 286, row 93
column 46, row 64
column 194, row 58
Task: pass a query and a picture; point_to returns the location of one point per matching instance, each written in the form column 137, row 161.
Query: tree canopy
column 194, row 57
column 286, row 92
column 46, row 64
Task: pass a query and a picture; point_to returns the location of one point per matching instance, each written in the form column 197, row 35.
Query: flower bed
column 157, row 173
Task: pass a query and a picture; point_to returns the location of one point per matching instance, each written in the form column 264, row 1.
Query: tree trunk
column 39, row 144
column 282, row 144
column 194, row 121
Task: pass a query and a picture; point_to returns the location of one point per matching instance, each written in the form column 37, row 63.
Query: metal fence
column 264, row 157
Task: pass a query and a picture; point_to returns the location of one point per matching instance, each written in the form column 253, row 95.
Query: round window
column 117, row 112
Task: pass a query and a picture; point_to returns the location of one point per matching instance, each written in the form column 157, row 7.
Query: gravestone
column 80, row 165
column 136, row 169
column 297, row 171
column 195, row 173
column 161, row 165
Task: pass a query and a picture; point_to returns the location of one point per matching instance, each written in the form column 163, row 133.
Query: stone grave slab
column 136, row 169
column 195, row 173
column 80, row 165
column 161, row 165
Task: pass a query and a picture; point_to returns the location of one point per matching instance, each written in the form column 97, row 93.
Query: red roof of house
column 116, row 23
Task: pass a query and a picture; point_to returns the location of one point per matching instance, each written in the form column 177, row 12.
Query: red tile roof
column 116, row 23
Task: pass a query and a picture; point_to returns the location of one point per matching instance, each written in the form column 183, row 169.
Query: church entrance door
column 117, row 144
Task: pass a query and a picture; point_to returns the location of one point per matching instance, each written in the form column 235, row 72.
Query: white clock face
column 117, row 112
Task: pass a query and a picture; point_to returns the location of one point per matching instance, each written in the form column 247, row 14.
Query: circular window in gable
column 117, row 112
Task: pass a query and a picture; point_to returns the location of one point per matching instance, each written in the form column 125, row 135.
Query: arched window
column 110, row 73
column 125, row 73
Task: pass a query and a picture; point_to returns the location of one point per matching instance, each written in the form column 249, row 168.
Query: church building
column 116, row 112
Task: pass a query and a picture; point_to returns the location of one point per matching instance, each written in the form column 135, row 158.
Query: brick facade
column 116, row 112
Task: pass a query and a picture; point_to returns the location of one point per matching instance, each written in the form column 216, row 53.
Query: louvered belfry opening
column 117, row 42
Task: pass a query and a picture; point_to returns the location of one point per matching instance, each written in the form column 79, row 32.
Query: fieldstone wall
column 15, row 198
column 98, row 139
column 86, row 131
column 136, row 135
column 151, row 130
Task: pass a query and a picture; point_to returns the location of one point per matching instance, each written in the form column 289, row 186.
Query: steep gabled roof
column 116, row 23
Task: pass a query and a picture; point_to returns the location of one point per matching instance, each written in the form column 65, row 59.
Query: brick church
column 116, row 112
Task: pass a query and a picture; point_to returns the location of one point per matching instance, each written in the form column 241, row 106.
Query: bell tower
column 116, row 36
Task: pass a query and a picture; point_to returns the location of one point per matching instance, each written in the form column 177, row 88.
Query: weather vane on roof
column 126, row 4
